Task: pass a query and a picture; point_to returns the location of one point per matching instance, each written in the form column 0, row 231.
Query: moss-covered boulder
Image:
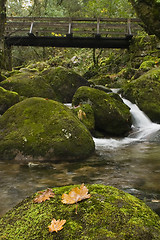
column 29, row 85
column 109, row 214
column 7, row 99
column 145, row 92
column 64, row 82
column 85, row 114
column 101, row 79
column 38, row 129
column 112, row 116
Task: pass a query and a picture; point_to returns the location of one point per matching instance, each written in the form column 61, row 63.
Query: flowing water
column 131, row 164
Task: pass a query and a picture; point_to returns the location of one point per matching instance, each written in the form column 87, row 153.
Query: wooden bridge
column 70, row 32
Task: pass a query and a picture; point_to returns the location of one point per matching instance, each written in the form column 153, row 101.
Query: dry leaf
column 56, row 225
column 43, row 196
column 76, row 195
column 81, row 114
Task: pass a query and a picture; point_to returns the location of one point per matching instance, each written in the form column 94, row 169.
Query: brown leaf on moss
column 44, row 195
column 76, row 195
column 81, row 114
column 56, row 225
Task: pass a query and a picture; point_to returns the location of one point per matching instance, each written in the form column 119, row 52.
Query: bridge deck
column 70, row 32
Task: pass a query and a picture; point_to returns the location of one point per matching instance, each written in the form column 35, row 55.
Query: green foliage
column 103, row 8
column 34, row 8
column 87, row 8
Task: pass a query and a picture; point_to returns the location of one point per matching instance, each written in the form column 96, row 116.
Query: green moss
column 7, row 99
column 40, row 129
column 108, row 214
column 112, row 116
column 147, row 65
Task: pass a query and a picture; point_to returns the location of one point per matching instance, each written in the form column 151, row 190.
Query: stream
column 131, row 164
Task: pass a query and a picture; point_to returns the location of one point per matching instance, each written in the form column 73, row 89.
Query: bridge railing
column 53, row 26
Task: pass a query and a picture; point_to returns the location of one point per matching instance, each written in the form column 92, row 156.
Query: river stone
column 7, row 99
column 29, row 85
column 38, row 129
column 112, row 116
column 108, row 214
column 64, row 82
column 145, row 92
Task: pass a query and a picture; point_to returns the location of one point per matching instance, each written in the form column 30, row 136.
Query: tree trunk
column 2, row 28
column 149, row 12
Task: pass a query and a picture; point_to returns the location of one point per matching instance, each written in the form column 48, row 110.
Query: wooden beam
column 74, row 42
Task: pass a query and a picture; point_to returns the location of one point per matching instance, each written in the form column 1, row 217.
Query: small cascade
column 139, row 119
column 142, row 129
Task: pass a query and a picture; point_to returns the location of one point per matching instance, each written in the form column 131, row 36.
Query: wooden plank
column 73, row 19
column 66, row 24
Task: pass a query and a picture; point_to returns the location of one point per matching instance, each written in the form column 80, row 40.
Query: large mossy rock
column 29, row 85
column 112, row 116
column 7, row 99
column 43, row 130
column 109, row 214
column 145, row 92
column 64, row 82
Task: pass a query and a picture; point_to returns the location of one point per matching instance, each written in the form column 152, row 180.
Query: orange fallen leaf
column 81, row 114
column 76, row 195
column 56, row 225
column 43, row 196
